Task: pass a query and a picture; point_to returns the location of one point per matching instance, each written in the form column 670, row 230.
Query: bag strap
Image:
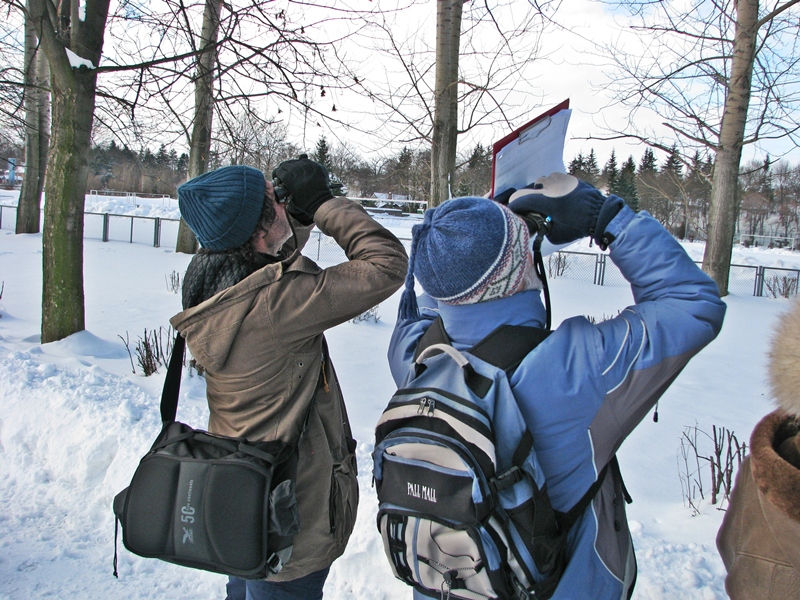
column 172, row 383
column 504, row 348
column 508, row 345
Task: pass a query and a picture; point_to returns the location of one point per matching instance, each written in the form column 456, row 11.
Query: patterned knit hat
column 222, row 207
column 467, row 250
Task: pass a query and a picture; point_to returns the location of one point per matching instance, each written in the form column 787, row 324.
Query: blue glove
column 576, row 208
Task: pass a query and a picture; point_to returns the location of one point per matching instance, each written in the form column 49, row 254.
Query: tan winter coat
column 261, row 344
column 759, row 540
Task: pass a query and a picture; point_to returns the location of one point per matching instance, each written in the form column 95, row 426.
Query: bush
column 781, row 286
column 725, row 457
column 152, row 350
column 367, row 315
column 557, row 264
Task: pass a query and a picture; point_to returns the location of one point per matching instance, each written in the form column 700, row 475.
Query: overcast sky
column 571, row 68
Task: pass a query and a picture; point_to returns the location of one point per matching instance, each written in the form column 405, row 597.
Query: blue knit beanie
column 467, row 250
column 222, row 207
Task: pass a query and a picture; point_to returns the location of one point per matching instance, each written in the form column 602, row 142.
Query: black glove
column 307, row 184
column 503, row 196
column 576, row 208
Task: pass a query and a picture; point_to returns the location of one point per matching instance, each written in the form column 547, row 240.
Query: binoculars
column 282, row 195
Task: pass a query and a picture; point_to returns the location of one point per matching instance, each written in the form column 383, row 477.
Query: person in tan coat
column 759, row 539
column 255, row 313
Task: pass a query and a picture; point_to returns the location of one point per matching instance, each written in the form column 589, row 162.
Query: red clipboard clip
column 514, row 135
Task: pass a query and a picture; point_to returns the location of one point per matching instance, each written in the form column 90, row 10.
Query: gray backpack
column 463, row 505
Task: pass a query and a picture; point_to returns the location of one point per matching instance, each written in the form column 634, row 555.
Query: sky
column 568, row 66
column 75, row 420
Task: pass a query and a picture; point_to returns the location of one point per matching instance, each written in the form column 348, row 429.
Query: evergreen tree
column 592, row 170
column 577, row 166
column 610, row 172
column 648, row 188
column 322, row 153
column 648, row 163
column 625, row 185
column 673, row 163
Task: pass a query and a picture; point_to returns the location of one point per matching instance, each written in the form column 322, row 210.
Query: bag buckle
column 274, row 563
column 507, row 479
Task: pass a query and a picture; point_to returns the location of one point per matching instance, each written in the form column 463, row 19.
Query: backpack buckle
column 506, row 480
column 519, row 592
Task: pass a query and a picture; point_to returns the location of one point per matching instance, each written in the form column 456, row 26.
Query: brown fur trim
column 776, row 479
column 784, row 361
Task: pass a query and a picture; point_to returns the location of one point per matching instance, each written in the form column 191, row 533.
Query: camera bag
column 209, row 502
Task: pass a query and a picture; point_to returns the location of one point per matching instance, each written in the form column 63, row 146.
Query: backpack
column 463, row 505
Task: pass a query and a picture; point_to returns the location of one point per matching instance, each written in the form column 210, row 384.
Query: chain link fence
column 596, row 268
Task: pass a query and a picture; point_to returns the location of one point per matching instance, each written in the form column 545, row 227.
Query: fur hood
column 784, row 361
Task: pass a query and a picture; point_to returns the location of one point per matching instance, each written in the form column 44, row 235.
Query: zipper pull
column 422, row 404
column 431, row 406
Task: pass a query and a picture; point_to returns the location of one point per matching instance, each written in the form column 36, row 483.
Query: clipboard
column 534, row 150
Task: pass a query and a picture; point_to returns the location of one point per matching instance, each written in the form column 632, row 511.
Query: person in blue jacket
column 584, row 389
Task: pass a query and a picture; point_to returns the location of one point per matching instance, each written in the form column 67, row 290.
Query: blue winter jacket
column 585, row 388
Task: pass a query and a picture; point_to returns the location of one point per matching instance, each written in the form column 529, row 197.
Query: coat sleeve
column 618, row 369
column 310, row 301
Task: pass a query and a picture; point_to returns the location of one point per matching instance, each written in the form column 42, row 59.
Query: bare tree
column 475, row 79
column 37, row 132
column 200, row 142
column 73, row 47
column 722, row 75
column 445, row 116
column 260, row 55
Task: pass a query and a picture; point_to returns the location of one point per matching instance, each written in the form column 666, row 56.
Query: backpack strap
column 435, row 334
column 567, row 519
column 505, row 347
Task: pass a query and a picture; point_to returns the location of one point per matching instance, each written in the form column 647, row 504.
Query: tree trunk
column 200, row 143
column 445, row 123
column 724, row 187
column 37, row 134
column 73, row 99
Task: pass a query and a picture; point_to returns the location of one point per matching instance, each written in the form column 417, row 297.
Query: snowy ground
column 74, row 421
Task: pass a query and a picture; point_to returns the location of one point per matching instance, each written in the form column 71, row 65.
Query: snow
column 75, row 420
column 76, row 62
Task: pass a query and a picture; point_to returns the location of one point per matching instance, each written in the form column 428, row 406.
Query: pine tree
column 610, row 172
column 322, row 153
column 577, row 167
column 625, row 185
column 648, row 189
column 673, row 163
column 648, row 163
column 592, row 170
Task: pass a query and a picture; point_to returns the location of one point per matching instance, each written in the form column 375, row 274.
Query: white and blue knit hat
column 465, row 251
column 222, row 207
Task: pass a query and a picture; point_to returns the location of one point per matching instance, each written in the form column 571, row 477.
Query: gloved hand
column 576, row 208
column 307, row 184
column 503, row 196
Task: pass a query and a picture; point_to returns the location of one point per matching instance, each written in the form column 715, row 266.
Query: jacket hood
column 784, row 361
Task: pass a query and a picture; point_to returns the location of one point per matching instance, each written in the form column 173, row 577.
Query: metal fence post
column 600, row 269
column 157, row 232
column 105, row 226
column 759, row 283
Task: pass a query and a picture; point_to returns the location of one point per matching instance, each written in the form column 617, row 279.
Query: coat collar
column 468, row 324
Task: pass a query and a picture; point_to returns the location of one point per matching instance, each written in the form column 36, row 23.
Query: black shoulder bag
column 207, row 501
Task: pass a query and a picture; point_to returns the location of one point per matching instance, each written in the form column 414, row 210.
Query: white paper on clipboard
column 536, row 152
